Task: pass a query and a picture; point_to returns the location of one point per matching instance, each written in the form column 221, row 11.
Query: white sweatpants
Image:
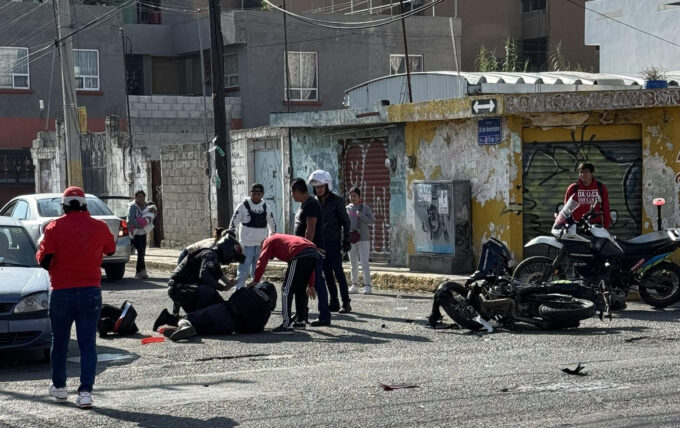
column 360, row 252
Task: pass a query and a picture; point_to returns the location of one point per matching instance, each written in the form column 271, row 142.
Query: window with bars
column 398, row 63
column 86, row 69
column 14, row 68
column 304, row 85
column 231, row 70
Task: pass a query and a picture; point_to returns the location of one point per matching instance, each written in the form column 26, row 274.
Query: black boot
column 184, row 331
column 334, row 306
column 164, row 318
column 346, row 308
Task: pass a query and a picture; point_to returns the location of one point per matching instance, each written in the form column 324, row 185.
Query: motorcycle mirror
column 659, row 202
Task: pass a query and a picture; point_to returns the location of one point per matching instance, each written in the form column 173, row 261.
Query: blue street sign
column 489, row 131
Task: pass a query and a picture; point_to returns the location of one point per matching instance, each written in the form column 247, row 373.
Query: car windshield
column 16, row 247
column 51, row 207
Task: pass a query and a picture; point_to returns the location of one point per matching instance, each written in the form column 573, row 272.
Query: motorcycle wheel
column 566, row 310
column 456, row 306
column 666, row 274
column 532, row 270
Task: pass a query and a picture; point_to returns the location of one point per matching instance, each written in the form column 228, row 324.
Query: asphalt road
column 330, row 376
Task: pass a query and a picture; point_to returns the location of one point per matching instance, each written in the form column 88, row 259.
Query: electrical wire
column 8, row 25
column 623, row 23
column 103, row 18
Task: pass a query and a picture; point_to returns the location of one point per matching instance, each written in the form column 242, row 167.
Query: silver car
column 36, row 211
column 24, row 323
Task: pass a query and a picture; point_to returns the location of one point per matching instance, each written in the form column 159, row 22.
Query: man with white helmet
column 336, row 228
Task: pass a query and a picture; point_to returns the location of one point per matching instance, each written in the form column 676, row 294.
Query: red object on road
column 153, row 339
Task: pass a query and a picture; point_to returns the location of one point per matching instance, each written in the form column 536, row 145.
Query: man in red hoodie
column 588, row 191
column 72, row 250
column 302, row 257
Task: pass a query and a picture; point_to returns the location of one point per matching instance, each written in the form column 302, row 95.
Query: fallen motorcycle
column 490, row 294
column 590, row 253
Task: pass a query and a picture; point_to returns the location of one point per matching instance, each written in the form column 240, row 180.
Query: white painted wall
column 626, row 50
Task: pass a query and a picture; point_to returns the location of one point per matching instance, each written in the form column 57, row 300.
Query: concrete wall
column 162, row 120
column 320, row 148
column 186, row 189
column 345, row 58
column 627, row 50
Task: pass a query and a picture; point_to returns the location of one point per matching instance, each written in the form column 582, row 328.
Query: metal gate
column 549, row 168
column 365, row 169
column 93, row 156
column 268, row 173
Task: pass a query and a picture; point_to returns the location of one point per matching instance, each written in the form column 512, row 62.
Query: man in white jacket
column 257, row 223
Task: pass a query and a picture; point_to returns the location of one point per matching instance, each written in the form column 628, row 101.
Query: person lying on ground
column 247, row 311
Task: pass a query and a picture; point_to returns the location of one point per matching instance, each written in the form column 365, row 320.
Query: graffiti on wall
column 549, row 168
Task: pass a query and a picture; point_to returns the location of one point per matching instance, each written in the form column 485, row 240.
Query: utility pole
column 408, row 63
column 222, row 149
column 74, row 166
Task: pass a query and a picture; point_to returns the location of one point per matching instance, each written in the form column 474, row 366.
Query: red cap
column 73, row 193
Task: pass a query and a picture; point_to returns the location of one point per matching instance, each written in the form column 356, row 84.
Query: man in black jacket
column 247, row 311
column 195, row 282
column 336, row 228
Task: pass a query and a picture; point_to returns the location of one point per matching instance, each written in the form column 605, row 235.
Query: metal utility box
column 443, row 232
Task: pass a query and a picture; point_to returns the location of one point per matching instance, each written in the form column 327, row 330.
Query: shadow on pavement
column 133, row 284
column 153, row 420
column 667, row 314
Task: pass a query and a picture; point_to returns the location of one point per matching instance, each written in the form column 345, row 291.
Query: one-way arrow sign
column 484, row 106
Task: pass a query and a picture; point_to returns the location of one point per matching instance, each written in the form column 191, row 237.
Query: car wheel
column 114, row 272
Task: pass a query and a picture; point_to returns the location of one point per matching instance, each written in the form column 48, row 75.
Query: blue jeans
column 82, row 306
column 248, row 267
column 321, row 293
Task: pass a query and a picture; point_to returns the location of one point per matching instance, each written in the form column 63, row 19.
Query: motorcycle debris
column 577, row 371
column 392, row 387
column 484, row 323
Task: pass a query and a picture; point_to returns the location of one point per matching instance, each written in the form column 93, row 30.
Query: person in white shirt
column 257, row 223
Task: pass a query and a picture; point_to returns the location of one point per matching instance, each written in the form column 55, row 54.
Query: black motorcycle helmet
column 268, row 289
column 229, row 250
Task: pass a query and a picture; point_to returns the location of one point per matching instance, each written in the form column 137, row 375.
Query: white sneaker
column 367, row 289
column 353, row 289
column 59, row 393
column 84, row 400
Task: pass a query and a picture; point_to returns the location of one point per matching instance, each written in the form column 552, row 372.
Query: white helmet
column 319, row 178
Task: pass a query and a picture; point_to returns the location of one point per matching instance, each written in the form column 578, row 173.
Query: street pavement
column 330, row 376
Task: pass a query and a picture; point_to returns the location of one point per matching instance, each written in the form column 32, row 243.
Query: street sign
column 489, row 131
column 484, row 106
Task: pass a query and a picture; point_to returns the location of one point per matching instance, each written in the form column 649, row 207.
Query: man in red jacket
column 302, row 257
column 586, row 191
column 72, row 250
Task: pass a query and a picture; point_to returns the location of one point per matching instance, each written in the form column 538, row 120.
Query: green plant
column 486, row 60
column 653, row 72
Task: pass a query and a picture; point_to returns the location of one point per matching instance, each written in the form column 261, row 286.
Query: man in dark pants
column 195, row 282
column 335, row 240
column 247, row 311
column 309, row 225
column 302, row 258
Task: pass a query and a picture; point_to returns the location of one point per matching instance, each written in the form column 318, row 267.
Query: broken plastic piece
column 153, row 339
column 484, row 323
column 577, row 371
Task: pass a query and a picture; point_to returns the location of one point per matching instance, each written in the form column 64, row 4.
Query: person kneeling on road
column 302, row 257
column 195, row 282
column 247, row 311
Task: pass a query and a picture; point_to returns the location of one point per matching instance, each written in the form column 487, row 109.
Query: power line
column 19, row 18
column 624, row 23
column 103, row 18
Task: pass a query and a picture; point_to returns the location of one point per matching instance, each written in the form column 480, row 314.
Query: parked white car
column 36, row 211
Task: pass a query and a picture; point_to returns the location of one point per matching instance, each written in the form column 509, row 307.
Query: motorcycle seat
column 655, row 242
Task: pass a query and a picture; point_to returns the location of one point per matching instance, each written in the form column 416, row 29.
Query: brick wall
column 162, row 120
column 186, row 217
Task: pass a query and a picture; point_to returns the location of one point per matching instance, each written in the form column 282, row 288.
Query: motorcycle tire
column 531, row 271
column 456, row 306
column 566, row 310
column 661, row 274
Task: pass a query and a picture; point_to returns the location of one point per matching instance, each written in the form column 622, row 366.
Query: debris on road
column 577, row 371
column 152, row 339
column 392, row 387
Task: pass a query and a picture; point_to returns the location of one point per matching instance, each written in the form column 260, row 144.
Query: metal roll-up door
column 365, row 168
column 549, row 168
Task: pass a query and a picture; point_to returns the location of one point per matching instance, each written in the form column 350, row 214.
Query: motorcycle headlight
column 33, row 303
